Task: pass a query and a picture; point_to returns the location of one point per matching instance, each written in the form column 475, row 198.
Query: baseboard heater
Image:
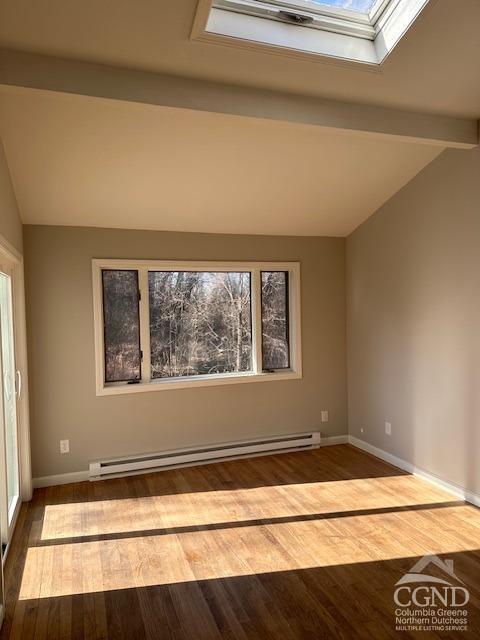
column 131, row 465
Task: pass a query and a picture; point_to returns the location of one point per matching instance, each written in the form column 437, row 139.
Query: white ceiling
column 78, row 160
column 433, row 69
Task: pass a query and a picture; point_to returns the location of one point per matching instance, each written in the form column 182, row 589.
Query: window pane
column 275, row 347
column 122, row 325
column 362, row 6
column 200, row 323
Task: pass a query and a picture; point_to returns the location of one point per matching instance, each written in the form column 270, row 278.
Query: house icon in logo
column 416, row 573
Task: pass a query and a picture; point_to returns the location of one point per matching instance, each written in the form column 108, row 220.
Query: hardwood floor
column 302, row 545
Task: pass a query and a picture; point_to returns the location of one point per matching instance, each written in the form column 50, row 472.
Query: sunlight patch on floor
column 84, row 567
column 197, row 508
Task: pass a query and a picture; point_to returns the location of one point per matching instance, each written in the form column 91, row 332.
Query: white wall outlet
column 361, row 429
column 64, row 446
column 388, row 428
column 324, row 416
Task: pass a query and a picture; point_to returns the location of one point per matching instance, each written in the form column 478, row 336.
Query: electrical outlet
column 388, row 428
column 64, row 446
column 324, row 416
column 361, row 429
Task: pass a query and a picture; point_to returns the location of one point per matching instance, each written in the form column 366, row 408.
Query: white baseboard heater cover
column 203, row 455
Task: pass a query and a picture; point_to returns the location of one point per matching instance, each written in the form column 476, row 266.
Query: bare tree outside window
column 121, row 325
column 200, row 323
column 275, row 338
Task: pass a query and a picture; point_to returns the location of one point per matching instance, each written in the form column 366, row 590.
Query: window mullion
column 257, row 321
column 144, row 323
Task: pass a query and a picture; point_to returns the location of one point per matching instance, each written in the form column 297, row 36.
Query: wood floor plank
column 294, row 546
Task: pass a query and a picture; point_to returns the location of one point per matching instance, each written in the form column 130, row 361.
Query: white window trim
column 346, row 38
column 256, row 375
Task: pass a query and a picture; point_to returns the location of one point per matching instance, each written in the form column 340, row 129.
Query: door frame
column 13, row 256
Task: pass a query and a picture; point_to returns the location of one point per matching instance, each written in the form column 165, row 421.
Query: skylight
column 363, row 31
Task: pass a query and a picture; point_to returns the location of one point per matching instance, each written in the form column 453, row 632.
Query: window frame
column 148, row 384
column 341, row 36
column 324, row 17
column 329, row 11
column 287, row 331
column 126, row 380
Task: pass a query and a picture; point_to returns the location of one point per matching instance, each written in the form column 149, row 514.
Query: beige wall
column 413, row 300
column 10, row 223
column 61, row 350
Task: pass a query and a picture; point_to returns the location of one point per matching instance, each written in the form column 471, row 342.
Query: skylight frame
column 325, row 18
column 378, row 10
column 309, row 6
column 345, row 37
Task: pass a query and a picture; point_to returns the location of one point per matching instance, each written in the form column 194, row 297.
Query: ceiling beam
column 35, row 71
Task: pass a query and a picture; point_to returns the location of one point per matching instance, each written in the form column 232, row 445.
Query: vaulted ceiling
column 261, row 150
column 434, row 68
column 87, row 161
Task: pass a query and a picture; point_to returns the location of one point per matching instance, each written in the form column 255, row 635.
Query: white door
column 9, row 385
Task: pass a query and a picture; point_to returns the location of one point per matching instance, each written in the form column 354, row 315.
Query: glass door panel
column 7, row 359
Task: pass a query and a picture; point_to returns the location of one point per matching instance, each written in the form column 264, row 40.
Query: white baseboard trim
column 453, row 488
column 328, row 441
column 61, row 478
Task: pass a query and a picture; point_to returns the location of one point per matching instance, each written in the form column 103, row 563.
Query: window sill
column 196, row 381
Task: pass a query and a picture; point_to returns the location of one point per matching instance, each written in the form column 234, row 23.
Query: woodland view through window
column 275, row 346
column 200, row 323
column 160, row 323
column 122, row 325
